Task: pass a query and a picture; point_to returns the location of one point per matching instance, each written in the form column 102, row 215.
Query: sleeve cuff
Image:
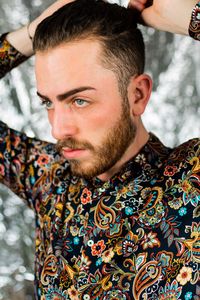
column 9, row 56
column 194, row 27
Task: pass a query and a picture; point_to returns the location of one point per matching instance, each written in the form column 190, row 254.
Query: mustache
column 73, row 144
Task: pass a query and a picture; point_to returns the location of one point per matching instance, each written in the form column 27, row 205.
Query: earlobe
column 139, row 92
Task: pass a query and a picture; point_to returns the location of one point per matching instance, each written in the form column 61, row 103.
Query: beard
column 105, row 156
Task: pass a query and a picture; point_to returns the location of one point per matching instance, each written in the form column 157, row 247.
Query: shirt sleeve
column 194, row 26
column 9, row 56
column 25, row 163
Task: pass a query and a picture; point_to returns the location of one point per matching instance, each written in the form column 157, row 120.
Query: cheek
column 98, row 126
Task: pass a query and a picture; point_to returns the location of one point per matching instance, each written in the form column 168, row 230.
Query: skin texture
column 173, row 16
column 93, row 126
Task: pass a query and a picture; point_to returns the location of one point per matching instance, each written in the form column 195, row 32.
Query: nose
column 62, row 123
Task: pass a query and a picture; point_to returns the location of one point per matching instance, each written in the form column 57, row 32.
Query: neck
column 138, row 143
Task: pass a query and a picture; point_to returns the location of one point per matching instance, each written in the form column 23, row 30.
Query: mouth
column 69, row 153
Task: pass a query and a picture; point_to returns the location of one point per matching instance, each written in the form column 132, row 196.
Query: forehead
column 75, row 53
column 72, row 64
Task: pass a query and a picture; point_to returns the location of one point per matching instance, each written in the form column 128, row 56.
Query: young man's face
column 89, row 118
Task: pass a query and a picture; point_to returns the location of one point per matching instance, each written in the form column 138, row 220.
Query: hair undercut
column 114, row 26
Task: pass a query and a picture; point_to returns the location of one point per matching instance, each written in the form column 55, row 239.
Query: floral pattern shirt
column 194, row 26
column 136, row 236
column 9, row 56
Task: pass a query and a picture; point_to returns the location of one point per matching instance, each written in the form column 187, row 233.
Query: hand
column 168, row 15
column 140, row 5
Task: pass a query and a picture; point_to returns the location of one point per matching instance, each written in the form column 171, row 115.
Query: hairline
column 104, row 62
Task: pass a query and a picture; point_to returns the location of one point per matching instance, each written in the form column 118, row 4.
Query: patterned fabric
column 9, row 56
column 136, row 236
column 194, row 27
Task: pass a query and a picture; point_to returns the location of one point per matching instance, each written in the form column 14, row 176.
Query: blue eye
column 47, row 103
column 80, row 102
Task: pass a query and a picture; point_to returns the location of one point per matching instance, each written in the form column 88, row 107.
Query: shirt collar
column 151, row 156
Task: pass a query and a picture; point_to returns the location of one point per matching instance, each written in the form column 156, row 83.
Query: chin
column 88, row 171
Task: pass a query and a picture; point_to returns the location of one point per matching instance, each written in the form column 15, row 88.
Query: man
column 116, row 217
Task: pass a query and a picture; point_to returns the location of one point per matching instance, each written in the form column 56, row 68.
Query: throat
column 131, row 152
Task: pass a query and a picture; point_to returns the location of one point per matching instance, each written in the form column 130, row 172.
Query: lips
column 69, row 153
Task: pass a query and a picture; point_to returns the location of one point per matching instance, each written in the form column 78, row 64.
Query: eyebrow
column 67, row 94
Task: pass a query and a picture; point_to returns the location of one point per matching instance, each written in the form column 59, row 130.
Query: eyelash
column 45, row 103
column 48, row 104
column 85, row 102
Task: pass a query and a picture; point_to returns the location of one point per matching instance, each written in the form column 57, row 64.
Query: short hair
column 113, row 25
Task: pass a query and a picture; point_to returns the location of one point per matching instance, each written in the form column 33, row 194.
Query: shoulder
column 186, row 155
column 189, row 147
column 181, row 175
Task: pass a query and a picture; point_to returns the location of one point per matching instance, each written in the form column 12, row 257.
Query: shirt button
column 86, row 297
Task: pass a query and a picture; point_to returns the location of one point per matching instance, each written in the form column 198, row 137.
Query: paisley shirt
column 194, row 26
column 9, row 56
column 135, row 236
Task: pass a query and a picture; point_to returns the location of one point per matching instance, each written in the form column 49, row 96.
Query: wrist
column 31, row 28
column 28, row 32
column 21, row 41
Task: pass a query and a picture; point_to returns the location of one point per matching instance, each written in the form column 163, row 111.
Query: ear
column 139, row 91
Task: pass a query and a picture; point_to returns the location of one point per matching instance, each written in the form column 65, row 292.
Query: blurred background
column 173, row 115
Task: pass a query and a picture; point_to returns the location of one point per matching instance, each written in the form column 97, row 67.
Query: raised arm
column 16, row 46
column 167, row 15
column 21, row 39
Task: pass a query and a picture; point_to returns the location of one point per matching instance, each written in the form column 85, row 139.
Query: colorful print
column 194, row 27
column 136, row 236
column 97, row 240
column 9, row 56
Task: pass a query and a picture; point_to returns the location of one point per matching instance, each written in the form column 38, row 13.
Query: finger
column 137, row 4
